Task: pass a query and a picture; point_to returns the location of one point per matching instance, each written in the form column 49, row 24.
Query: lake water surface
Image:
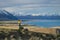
column 43, row 23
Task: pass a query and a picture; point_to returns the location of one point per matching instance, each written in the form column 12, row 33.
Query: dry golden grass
column 9, row 27
column 41, row 30
column 30, row 28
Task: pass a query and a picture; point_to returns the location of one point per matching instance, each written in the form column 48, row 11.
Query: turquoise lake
column 43, row 23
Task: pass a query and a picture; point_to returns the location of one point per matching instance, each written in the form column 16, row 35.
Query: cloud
column 7, row 3
column 31, row 6
column 24, row 1
column 55, row 1
column 11, row 3
column 35, row 7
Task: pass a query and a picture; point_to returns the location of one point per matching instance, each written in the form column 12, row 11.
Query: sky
column 34, row 7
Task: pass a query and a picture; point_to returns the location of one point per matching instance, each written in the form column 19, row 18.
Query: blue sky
column 25, row 7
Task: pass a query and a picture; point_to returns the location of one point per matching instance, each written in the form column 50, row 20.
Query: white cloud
column 55, row 1
column 24, row 1
column 7, row 3
column 35, row 14
column 41, row 9
column 9, row 9
column 10, row 3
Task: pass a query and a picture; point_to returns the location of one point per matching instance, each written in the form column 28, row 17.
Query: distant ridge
column 5, row 15
column 40, row 17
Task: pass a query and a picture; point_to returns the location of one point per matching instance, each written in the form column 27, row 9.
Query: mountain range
column 39, row 17
column 5, row 15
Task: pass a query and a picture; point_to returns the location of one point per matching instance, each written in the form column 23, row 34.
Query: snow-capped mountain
column 40, row 16
column 4, row 15
column 21, row 15
column 34, row 14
